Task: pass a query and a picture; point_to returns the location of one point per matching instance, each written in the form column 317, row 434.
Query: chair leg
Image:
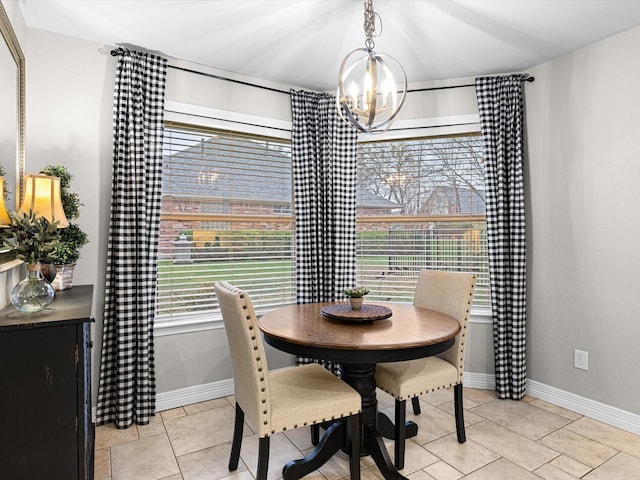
column 400, row 433
column 237, row 439
column 353, row 437
column 459, row 411
column 315, row 434
column 415, row 403
column 263, row 458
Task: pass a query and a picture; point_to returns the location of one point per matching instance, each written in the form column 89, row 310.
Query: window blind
column 226, row 215
column 421, row 204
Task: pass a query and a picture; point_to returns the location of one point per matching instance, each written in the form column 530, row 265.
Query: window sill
column 481, row 315
column 203, row 322
column 187, row 324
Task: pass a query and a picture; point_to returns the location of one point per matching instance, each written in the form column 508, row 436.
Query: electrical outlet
column 581, row 359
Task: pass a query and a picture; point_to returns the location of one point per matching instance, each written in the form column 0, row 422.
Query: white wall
column 69, row 92
column 583, row 173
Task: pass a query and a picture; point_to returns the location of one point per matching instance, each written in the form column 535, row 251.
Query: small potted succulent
column 356, row 296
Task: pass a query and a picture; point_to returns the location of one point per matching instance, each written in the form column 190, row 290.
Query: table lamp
column 42, row 196
column 4, row 215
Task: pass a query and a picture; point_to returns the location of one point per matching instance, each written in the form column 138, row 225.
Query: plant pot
column 356, row 303
column 64, row 277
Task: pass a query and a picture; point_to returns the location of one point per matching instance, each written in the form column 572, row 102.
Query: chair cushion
column 411, row 378
column 309, row 394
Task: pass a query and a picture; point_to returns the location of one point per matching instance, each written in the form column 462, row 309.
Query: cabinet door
column 39, row 403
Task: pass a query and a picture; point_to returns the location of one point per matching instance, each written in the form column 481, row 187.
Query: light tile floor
column 509, row 440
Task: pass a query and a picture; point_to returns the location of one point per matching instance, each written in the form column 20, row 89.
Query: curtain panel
column 126, row 393
column 323, row 152
column 501, row 106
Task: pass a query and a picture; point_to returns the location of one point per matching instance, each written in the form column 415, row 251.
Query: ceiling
column 302, row 42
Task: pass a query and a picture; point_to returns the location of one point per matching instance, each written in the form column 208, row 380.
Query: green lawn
column 189, row 286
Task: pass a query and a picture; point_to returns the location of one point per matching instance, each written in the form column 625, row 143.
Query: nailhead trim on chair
column 463, row 334
column 423, row 393
column 258, row 358
column 262, row 389
column 320, row 421
column 460, row 359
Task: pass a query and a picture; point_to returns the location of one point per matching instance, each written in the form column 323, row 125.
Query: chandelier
column 369, row 98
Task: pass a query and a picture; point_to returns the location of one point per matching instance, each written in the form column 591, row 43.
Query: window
column 421, row 204
column 226, row 215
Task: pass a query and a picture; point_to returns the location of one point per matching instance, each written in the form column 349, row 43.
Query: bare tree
column 437, row 176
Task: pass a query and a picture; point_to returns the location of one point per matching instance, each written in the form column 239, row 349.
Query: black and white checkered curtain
column 501, row 107
column 323, row 151
column 127, row 378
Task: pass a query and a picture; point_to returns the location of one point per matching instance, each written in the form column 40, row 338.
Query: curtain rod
column 527, row 78
column 218, row 77
column 116, row 51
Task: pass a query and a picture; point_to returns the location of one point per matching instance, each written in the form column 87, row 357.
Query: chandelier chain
column 369, row 24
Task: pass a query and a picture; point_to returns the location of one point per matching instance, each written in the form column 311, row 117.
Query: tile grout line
column 440, row 405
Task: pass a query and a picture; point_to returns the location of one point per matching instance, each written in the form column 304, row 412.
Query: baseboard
column 195, row 394
column 613, row 416
column 598, row 411
column 189, row 395
column 483, row 381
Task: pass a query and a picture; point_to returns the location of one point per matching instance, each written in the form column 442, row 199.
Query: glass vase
column 33, row 293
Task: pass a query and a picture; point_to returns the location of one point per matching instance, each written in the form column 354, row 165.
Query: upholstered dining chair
column 450, row 293
column 283, row 399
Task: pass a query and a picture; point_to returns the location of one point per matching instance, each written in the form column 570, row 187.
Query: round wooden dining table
column 358, row 344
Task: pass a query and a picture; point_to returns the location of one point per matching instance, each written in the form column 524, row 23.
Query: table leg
column 362, row 377
column 386, row 427
column 381, row 456
column 332, row 441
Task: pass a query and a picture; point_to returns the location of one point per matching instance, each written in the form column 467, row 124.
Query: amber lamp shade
column 4, row 215
column 42, row 196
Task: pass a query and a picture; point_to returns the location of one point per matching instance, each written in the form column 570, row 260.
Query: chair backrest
column 250, row 370
column 450, row 293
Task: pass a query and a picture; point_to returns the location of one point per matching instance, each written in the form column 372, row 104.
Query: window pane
column 226, row 215
column 421, row 205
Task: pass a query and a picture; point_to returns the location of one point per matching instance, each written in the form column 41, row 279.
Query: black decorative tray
column 367, row 313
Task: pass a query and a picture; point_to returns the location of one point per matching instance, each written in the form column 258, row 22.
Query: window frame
column 207, row 117
column 440, row 126
column 177, row 112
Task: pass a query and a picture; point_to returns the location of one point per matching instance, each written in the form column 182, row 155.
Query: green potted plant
column 33, row 239
column 72, row 238
column 356, row 296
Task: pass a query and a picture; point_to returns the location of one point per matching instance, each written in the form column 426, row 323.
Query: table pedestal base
column 375, row 424
column 332, row 441
column 386, row 428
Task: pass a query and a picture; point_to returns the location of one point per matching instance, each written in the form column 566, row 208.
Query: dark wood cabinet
column 45, row 390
